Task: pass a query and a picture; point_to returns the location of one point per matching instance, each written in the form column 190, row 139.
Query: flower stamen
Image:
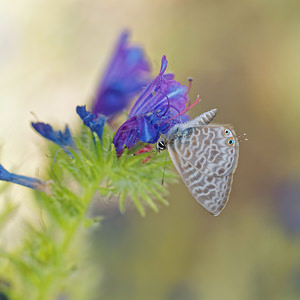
column 187, row 108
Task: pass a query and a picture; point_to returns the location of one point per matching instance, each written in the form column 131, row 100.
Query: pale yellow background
column 244, row 58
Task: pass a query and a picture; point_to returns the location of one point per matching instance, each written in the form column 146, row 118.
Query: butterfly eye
column 160, row 146
column 230, row 142
column 226, row 131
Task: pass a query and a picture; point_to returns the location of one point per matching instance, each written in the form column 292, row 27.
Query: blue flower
column 126, row 75
column 155, row 111
column 62, row 139
column 33, row 183
column 96, row 124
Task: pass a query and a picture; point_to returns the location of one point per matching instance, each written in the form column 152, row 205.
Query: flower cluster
column 93, row 163
column 154, row 113
column 160, row 106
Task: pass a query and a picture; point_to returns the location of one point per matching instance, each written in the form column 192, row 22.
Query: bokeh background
column 244, row 58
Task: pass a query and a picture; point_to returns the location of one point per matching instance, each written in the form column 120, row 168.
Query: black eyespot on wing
column 230, row 142
column 226, row 132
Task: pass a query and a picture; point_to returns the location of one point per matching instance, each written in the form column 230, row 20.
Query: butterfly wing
column 212, row 192
column 206, row 148
column 206, row 162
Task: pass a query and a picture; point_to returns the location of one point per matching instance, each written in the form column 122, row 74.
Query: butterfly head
column 161, row 144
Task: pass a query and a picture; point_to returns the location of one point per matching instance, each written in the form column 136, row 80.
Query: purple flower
column 63, row 139
column 127, row 73
column 96, row 124
column 155, row 111
column 33, row 183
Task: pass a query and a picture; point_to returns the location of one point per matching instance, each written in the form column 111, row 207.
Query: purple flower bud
column 96, row 124
column 33, row 183
column 126, row 75
column 63, row 139
column 155, row 111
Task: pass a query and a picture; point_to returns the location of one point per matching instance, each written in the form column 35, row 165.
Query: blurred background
column 244, row 58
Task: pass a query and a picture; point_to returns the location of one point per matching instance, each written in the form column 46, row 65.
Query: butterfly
column 206, row 156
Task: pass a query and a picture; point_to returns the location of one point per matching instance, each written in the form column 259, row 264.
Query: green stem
column 48, row 282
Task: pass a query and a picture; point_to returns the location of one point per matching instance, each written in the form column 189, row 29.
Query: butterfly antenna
column 165, row 166
column 242, row 139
